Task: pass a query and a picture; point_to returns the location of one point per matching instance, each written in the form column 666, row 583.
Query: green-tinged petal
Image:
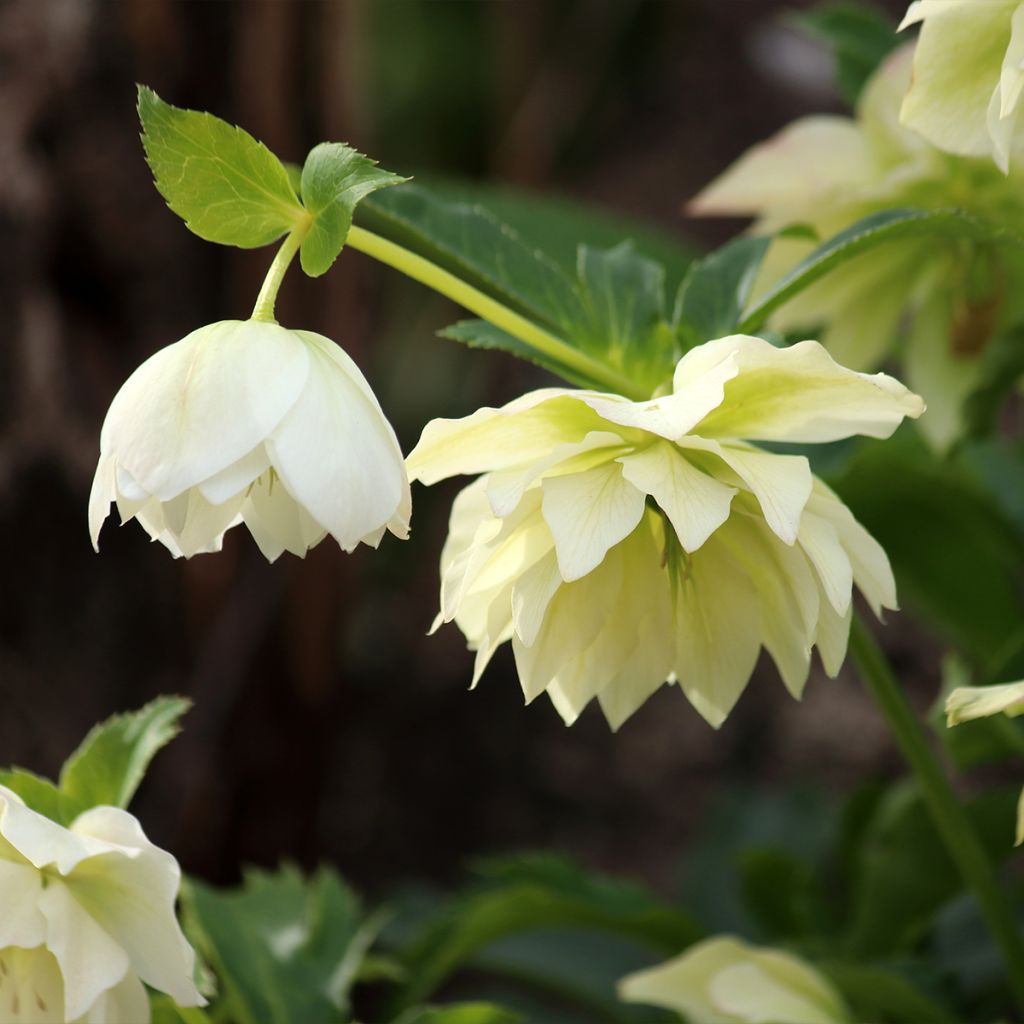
column 773, row 988
column 798, row 394
column 832, row 636
column 808, row 159
column 820, row 542
column 124, row 1003
column 32, row 992
column 695, row 503
column 531, row 595
column 588, row 513
column 277, row 522
column 968, row 702
column 718, row 631
column 957, row 65
column 21, row 923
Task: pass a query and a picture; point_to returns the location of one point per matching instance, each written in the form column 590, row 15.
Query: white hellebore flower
column 725, row 981
column 966, row 703
column 968, row 76
column 618, row 544
column 88, row 916
column 246, row 421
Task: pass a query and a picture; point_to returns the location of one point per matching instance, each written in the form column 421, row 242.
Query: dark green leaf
column 1002, row 366
column 335, row 178
column 111, row 761
column 882, row 995
column 285, row 949
column 462, row 1013
column 860, row 37
column 874, row 230
column 716, row 290
column 38, row 793
column 226, row 186
column 781, row 893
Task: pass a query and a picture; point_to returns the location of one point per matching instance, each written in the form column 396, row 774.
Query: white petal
column 90, row 960
column 40, row 841
column 588, row 513
column 336, row 453
column 531, row 595
column 103, row 492
column 832, row 636
column 132, row 898
column 968, row 702
column 798, row 393
column 21, row 923
column 234, row 479
column 749, row 993
column 781, row 483
column 718, row 632
column 196, row 407
column 820, row 542
column 695, row 503
column 276, row 520
column 31, row 989
column 125, row 1003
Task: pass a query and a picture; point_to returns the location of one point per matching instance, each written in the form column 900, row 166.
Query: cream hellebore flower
column 968, row 76
column 725, row 981
column 618, row 544
column 934, row 302
column 245, row 421
column 88, row 916
column 969, row 702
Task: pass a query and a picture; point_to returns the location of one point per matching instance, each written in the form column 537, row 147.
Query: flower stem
column 264, row 308
column 951, row 821
column 454, row 288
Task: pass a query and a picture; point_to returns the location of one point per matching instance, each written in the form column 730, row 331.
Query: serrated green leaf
column 285, row 949
column 717, row 288
column 38, row 793
column 861, row 37
column 874, row 230
column 481, row 334
column 463, row 1013
column 109, row 764
column 335, row 178
column 226, row 186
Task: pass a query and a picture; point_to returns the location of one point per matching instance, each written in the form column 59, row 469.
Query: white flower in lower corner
column 621, row 544
column 966, row 703
column 246, row 421
column 725, row 981
column 88, row 917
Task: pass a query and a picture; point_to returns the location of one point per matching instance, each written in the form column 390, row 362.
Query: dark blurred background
column 327, row 725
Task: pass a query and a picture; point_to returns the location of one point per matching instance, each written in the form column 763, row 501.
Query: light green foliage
column 225, row 185
column 860, row 36
column 464, row 1013
column 285, row 949
column 108, row 765
column 334, row 179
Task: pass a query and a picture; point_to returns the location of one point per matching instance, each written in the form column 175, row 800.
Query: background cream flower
column 88, row 917
column 935, row 303
column 245, row 421
column 968, row 76
column 966, row 703
column 617, row 544
column 725, row 981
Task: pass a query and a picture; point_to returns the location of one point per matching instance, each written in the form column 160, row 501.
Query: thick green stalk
column 951, row 821
column 494, row 312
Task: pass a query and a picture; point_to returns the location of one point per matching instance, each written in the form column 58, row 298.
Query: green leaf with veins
column 335, row 178
column 226, row 186
column 38, row 793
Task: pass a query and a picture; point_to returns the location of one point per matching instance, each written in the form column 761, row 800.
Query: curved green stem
column 951, row 821
column 264, row 308
column 454, row 288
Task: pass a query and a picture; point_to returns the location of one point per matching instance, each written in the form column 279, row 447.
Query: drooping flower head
column 88, row 918
column 245, row 421
column 933, row 303
column 965, row 96
column 618, row 544
column 726, row 981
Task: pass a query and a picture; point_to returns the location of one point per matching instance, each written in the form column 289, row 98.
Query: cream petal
column 337, row 454
column 695, row 503
column 798, row 394
column 40, row 841
column 90, row 960
column 198, row 406
column 102, row 493
column 811, row 158
column 969, row 702
column 588, row 513
column 275, row 519
column 749, row 992
column 206, row 524
column 21, row 923
column 125, row 1003
column 640, row 677
column 531, row 594
column 718, row 632
column 820, row 542
column 31, row 989
column 132, row 898
column 234, row 479
column 832, row 636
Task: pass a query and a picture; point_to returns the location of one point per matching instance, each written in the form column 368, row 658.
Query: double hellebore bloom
column 88, row 917
column 245, row 421
column 930, row 303
column 725, row 981
column 968, row 76
column 618, row 544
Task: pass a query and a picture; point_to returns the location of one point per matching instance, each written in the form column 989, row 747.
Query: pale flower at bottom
column 621, row 544
column 88, row 917
column 248, row 422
